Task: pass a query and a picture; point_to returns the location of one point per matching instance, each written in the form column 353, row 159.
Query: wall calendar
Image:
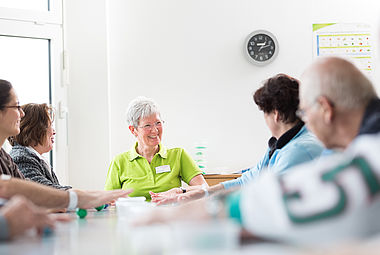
column 351, row 41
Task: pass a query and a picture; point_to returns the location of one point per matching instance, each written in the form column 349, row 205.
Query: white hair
column 140, row 108
column 339, row 80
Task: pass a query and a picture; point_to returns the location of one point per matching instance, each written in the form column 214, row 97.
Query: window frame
column 51, row 16
column 46, row 25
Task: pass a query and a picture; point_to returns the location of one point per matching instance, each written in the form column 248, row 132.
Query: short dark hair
column 5, row 88
column 34, row 125
column 280, row 93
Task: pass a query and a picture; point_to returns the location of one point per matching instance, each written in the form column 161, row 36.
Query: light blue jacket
column 301, row 148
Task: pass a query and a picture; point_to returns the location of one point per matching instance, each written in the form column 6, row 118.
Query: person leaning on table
column 24, row 203
column 148, row 165
column 27, row 203
column 291, row 143
column 36, row 137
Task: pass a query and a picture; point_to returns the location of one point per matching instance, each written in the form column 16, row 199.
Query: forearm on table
column 211, row 190
column 194, row 187
column 198, row 191
column 198, row 180
column 39, row 194
column 196, row 183
column 215, row 189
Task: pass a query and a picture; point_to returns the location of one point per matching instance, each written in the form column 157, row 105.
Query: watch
column 261, row 47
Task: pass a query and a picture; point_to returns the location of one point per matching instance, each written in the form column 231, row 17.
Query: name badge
column 162, row 169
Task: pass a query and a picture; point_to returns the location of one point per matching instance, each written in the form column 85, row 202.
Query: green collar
column 132, row 154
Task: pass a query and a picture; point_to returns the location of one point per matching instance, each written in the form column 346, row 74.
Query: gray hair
column 339, row 80
column 140, row 108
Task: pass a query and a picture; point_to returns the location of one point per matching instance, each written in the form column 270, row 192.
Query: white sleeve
column 335, row 198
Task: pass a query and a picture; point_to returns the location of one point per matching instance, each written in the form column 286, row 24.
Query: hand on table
column 21, row 215
column 165, row 197
column 162, row 199
column 92, row 199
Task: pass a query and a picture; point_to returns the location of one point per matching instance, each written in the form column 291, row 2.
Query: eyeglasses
column 149, row 127
column 14, row 106
column 300, row 113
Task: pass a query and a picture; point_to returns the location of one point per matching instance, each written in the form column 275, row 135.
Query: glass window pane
column 25, row 63
column 38, row 5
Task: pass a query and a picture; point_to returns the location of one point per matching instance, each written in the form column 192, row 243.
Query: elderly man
column 336, row 198
column 338, row 102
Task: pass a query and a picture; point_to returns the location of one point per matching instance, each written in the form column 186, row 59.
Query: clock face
column 262, row 47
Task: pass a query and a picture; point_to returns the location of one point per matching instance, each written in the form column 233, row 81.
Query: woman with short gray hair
column 148, row 167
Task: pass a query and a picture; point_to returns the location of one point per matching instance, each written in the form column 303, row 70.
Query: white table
column 105, row 233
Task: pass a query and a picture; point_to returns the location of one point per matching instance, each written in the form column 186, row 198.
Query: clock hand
column 262, row 47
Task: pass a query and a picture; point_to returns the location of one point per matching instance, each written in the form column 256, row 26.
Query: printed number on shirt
column 348, row 184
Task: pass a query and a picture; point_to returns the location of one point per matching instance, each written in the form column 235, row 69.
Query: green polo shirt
column 168, row 167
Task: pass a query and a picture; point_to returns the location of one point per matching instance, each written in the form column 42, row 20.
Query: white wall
column 188, row 56
column 86, row 44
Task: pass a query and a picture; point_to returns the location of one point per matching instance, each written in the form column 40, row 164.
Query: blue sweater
column 301, row 148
